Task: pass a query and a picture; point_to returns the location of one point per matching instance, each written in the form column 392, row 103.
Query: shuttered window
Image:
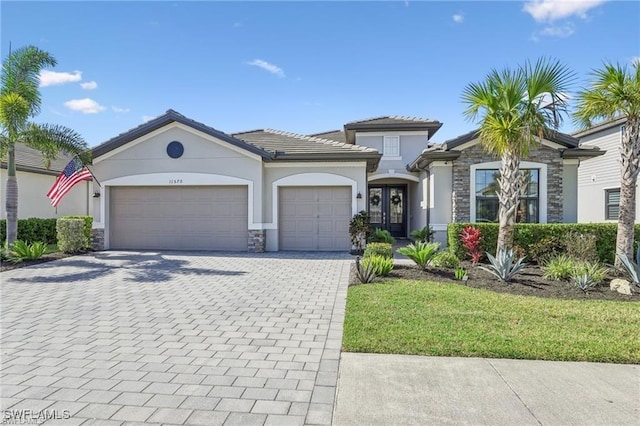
column 391, row 146
column 612, row 203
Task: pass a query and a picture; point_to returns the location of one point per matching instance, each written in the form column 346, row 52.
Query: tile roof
column 393, row 119
column 334, row 135
column 31, row 159
column 291, row 143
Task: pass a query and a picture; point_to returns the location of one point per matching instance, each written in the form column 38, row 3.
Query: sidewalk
column 402, row 390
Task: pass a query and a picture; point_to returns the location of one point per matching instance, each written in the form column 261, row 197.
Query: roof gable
column 169, row 117
column 393, row 123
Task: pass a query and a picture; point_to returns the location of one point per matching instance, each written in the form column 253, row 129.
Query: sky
column 303, row 67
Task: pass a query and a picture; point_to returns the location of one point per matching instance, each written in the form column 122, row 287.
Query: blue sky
column 303, row 67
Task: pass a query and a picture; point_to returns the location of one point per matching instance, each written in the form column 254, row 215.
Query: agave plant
column 364, row 274
column 504, row 266
column 632, row 269
column 584, row 281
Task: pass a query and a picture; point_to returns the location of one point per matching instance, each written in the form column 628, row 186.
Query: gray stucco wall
column 475, row 155
column 410, row 147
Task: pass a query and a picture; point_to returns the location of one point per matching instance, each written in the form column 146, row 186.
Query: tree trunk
column 509, row 182
column 629, row 168
column 11, row 201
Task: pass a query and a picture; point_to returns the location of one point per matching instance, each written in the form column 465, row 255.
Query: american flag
column 73, row 173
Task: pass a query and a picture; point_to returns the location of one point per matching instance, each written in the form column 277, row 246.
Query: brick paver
column 176, row 338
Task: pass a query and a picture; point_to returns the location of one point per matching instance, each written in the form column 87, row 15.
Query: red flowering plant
column 471, row 237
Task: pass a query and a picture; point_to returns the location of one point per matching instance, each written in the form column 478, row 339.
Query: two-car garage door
column 178, row 218
column 314, row 218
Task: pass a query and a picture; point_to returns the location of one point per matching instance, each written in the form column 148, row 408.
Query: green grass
column 426, row 318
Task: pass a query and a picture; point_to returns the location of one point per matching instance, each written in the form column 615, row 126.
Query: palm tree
column 19, row 101
column 615, row 92
column 515, row 108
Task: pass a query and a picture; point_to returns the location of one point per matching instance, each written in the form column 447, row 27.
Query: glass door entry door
column 388, row 208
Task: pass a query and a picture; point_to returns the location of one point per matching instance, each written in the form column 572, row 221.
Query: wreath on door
column 395, row 200
column 375, row 200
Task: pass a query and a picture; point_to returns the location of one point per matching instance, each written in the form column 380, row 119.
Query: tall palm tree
column 615, row 91
column 515, row 108
column 19, row 101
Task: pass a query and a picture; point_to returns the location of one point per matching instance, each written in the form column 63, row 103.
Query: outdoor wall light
column 359, row 196
column 96, row 194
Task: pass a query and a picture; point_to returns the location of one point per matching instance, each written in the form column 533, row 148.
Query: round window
column 175, row 149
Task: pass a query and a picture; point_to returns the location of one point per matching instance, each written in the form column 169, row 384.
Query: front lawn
column 428, row 318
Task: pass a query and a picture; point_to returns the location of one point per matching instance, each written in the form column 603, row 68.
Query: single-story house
column 34, row 181
column 599, row 179
column 174, row 183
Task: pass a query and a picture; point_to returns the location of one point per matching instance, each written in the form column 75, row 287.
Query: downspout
column 428, row 200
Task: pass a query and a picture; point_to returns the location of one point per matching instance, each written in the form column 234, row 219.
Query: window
column 611, row 203
column 391, row 146
column 487, row 196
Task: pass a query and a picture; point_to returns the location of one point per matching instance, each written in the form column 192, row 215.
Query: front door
column 388, row 208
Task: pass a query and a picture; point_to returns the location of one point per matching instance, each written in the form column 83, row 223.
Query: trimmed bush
column 72, row 237
column 88, row 224
column 445, row 259
column 527, row 234
column 378, row 249
column 32, row 230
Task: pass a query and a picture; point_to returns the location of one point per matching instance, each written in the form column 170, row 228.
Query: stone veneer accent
column 97, row 239
column 256, row 241
column 475, row 154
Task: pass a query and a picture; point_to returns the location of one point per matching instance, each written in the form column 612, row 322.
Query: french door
column 388, row 208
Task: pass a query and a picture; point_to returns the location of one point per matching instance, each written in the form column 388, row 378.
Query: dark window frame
column 526, row 199
column 608, row 204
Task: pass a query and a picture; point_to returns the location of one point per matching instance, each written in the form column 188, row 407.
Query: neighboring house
column 174, row 183
column 34, row 181
column 599, row 179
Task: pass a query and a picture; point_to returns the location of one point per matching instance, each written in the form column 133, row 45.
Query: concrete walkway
column 173, row 338
column 416, row 390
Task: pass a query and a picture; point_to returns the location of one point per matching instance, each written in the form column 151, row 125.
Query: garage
column 178, row 218
column 314, row 218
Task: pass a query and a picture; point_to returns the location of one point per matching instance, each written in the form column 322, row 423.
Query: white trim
column 495, row 165
column 439, row 226
column 477, row 141
column 181, row 179
column 393, row 176
column 383, row 158
column 318, row 163
column 175, row 125
column 395, row 139
column 311, row 179
column 570, row 162
column 392, row 133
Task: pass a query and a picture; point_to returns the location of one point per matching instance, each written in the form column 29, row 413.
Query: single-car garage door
column 178, row 218
column 314, row 218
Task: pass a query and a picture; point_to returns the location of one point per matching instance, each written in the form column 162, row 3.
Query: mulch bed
column 529, row 282
column 8, row 266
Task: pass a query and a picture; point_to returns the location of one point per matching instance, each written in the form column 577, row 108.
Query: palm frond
column 20, row 74
column 50, row 139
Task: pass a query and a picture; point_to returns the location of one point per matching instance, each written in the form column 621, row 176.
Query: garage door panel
column 179, row 218
column 314, row 218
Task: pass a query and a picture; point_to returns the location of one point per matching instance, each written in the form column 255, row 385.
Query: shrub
column 445, row 259
column 424, row 235
column 471, row 238
column 587, row 275
column 581, row 246
column 461, row 274
column 382, row 236
column 559, row 268
column 503, row 266
column 420, row 253
column 526, row 234
column 546, row 249
column 4, row 252
column 71, row 235
column 88, row 224
column 21, row 251
column 381, row 265
column 360, row 230
column 32, row 230
column 378, row 249
column 364, row 274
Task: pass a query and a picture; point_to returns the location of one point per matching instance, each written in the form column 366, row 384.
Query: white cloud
column 146, row 118
column 551, row 10
column 562, row 31
column 120, row 110
column 273, row 69
column 89, row 85
column 52, row 78
column 85, row 106
column 458, row 18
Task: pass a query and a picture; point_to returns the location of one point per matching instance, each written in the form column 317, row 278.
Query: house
column 599, row 179
column 34, row 181
column 174, row 183
column 455, row 181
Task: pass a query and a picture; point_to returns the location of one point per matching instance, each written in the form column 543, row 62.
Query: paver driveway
column 174, row 338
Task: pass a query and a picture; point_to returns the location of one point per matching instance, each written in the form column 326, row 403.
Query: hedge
column 37, row 229
column 88, row 224
column 526, row 234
